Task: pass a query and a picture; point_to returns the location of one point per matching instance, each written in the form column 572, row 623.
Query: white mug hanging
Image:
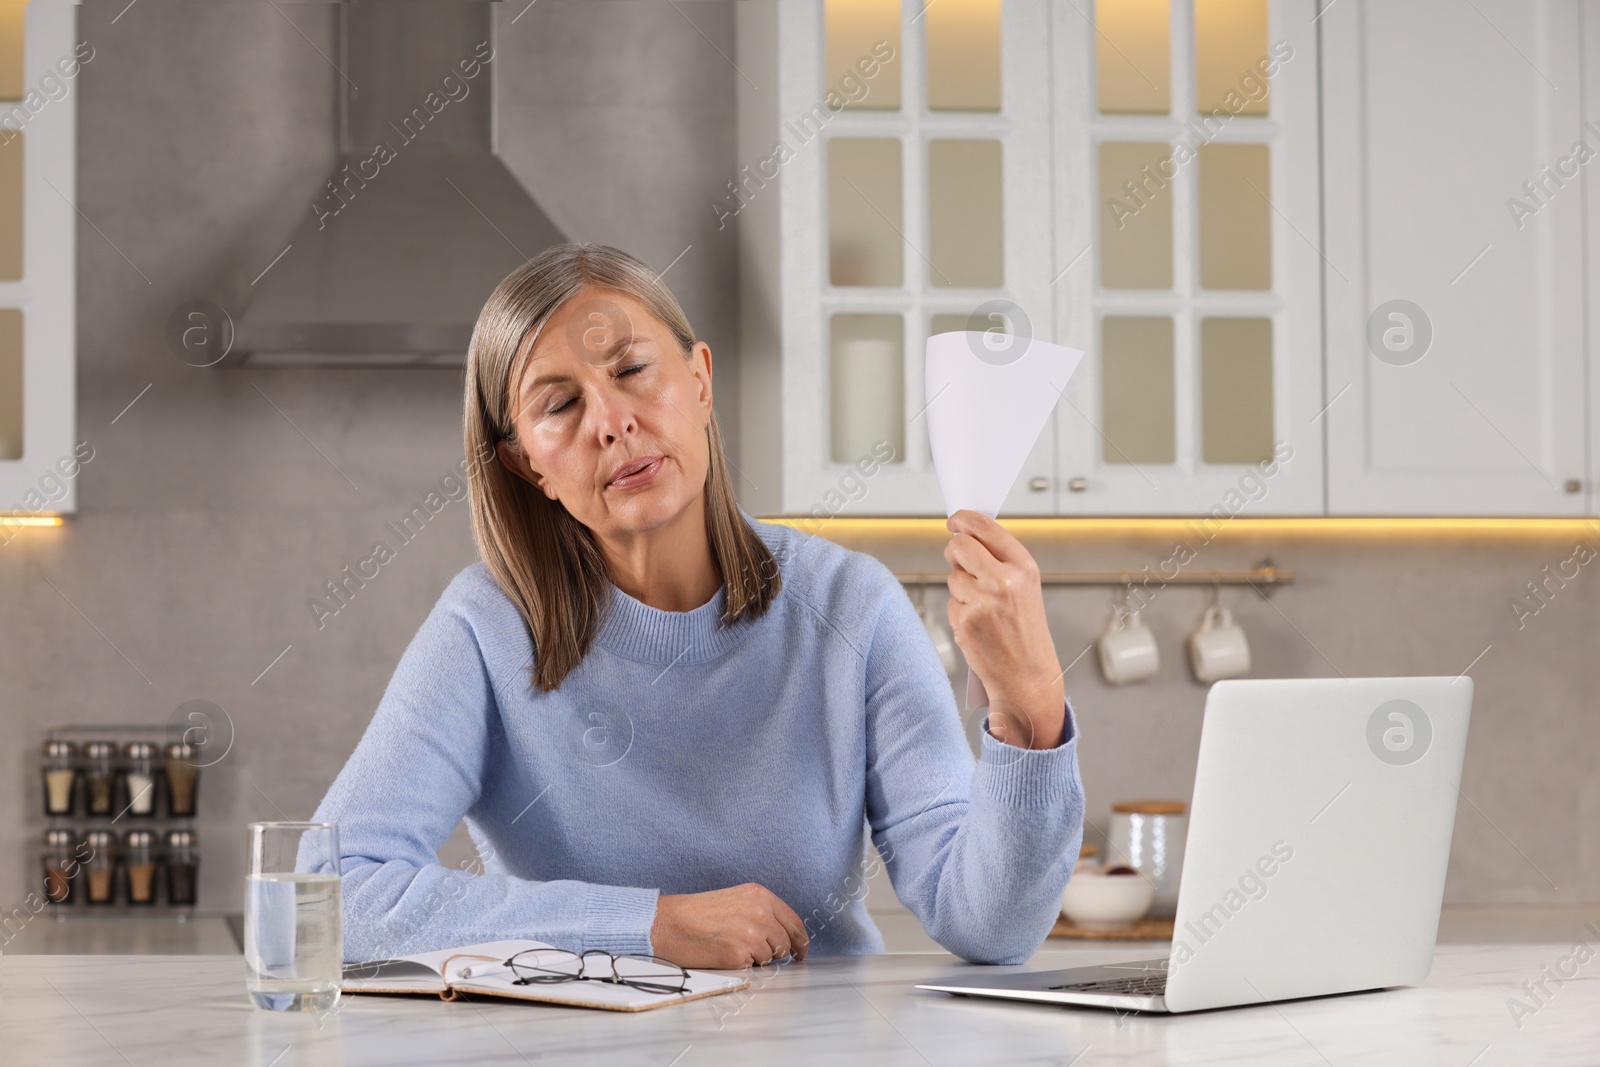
column 1127, row 647
column 1218, row 648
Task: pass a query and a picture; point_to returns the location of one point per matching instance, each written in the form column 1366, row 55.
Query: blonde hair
column 543, row 558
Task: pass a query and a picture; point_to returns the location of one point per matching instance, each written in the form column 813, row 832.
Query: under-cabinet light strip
column 1206, row 527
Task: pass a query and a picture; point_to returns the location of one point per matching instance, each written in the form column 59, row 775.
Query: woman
column 668, row 725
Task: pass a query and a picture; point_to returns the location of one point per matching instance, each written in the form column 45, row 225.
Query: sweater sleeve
column 418, row 769
column 979, row 854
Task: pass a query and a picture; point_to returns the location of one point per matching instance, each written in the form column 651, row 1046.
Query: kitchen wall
column 220, row 501
column 218, row 504
column 1528, row 823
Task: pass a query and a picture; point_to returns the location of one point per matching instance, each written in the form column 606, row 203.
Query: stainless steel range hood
column 420, row 219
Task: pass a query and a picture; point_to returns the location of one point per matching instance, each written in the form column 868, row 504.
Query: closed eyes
column 625, row 372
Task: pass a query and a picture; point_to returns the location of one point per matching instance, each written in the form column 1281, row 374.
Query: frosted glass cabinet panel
column 1230, row 37
column 13, row 16
column 1136, row 216
column 856, row 32
column 1235, row 217
column 1137, row 390
column 865, row 246
column 1235, row 390
column 867, row 387
column 966, row 218
column 963, row 40
column 11, row 204
column 11, row 415
column 1132, row 56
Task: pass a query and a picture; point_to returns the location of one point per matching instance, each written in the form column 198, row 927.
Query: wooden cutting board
column 1143, row 930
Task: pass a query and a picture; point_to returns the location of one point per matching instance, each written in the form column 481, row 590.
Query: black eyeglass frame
column 551, row 977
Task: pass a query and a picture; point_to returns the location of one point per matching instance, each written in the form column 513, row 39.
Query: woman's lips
column 643, row 476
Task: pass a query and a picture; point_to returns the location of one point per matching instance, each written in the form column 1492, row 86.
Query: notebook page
column 421, row 971
column 596, row 994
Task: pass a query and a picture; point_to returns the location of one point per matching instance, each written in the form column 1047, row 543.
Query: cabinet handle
column 1573, row 485
column 1038, row 485
column 1078, row 485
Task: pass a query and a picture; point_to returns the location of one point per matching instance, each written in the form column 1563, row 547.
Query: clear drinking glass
column 293, row 934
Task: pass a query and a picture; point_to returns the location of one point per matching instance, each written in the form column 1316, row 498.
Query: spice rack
column 118, row 804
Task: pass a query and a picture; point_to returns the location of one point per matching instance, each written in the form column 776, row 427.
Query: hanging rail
column 1263, row 578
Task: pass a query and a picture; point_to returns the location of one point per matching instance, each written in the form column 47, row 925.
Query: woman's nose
column 613, row 415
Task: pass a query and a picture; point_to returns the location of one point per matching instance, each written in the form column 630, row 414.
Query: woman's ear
column 517, row 463
column 700, row 366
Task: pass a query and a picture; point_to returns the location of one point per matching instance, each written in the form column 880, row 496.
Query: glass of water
column 293, row 934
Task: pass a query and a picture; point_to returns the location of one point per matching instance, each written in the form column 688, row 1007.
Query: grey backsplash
column 210, row 516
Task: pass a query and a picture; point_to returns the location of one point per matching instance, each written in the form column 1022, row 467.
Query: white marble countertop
column 173, row 1010
column 89, row 932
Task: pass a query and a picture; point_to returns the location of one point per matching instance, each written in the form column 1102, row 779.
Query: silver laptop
column 1318, row 839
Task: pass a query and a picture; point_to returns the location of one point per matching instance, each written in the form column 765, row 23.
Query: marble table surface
column 89, row 932
column 173, row 1010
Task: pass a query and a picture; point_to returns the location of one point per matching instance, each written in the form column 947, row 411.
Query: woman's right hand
column 726, row 929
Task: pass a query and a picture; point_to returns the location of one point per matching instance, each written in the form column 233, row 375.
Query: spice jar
column 60, row 776
column 100, row 865
column 183, row 778
column 138, row 779
column 183, row 867
column 99, row 776
column 60, row 865
column 139, row 865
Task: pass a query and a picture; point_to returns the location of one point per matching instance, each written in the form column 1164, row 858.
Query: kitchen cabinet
column 1455, row 257
column 1591, row 242
column 40, row 62
column 1186, row 200
column 867, row 220
column 894, row 183
column 1326, row 258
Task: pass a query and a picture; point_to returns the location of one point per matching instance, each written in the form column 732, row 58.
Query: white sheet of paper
column 989, row 397
column 983, row 416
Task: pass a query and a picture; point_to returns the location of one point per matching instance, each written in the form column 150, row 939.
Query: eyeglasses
column 652, row 974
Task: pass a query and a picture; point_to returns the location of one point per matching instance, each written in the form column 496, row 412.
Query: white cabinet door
column 833, row 340
column 1203, row 349
column 1591, row 179
column 1454, row 284
column 39, row 452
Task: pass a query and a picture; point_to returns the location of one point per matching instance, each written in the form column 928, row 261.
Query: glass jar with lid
column 99, row 867
column 183, row 867
column 183, row 779
column 100, row 777
column 1149, row 836
column 60, row 776
column 139, row 866
column 138, row 793
column 60, row 867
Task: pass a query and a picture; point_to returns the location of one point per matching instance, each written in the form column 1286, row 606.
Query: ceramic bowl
column 1095, row 900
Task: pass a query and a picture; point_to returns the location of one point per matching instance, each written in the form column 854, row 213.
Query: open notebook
column 422, row 974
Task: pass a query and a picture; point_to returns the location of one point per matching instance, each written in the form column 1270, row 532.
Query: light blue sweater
column 681, row 757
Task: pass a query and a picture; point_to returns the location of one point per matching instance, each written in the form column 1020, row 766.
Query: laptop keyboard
column 1146, row 985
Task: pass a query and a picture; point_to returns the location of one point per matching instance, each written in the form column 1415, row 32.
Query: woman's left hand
column 997, row 614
